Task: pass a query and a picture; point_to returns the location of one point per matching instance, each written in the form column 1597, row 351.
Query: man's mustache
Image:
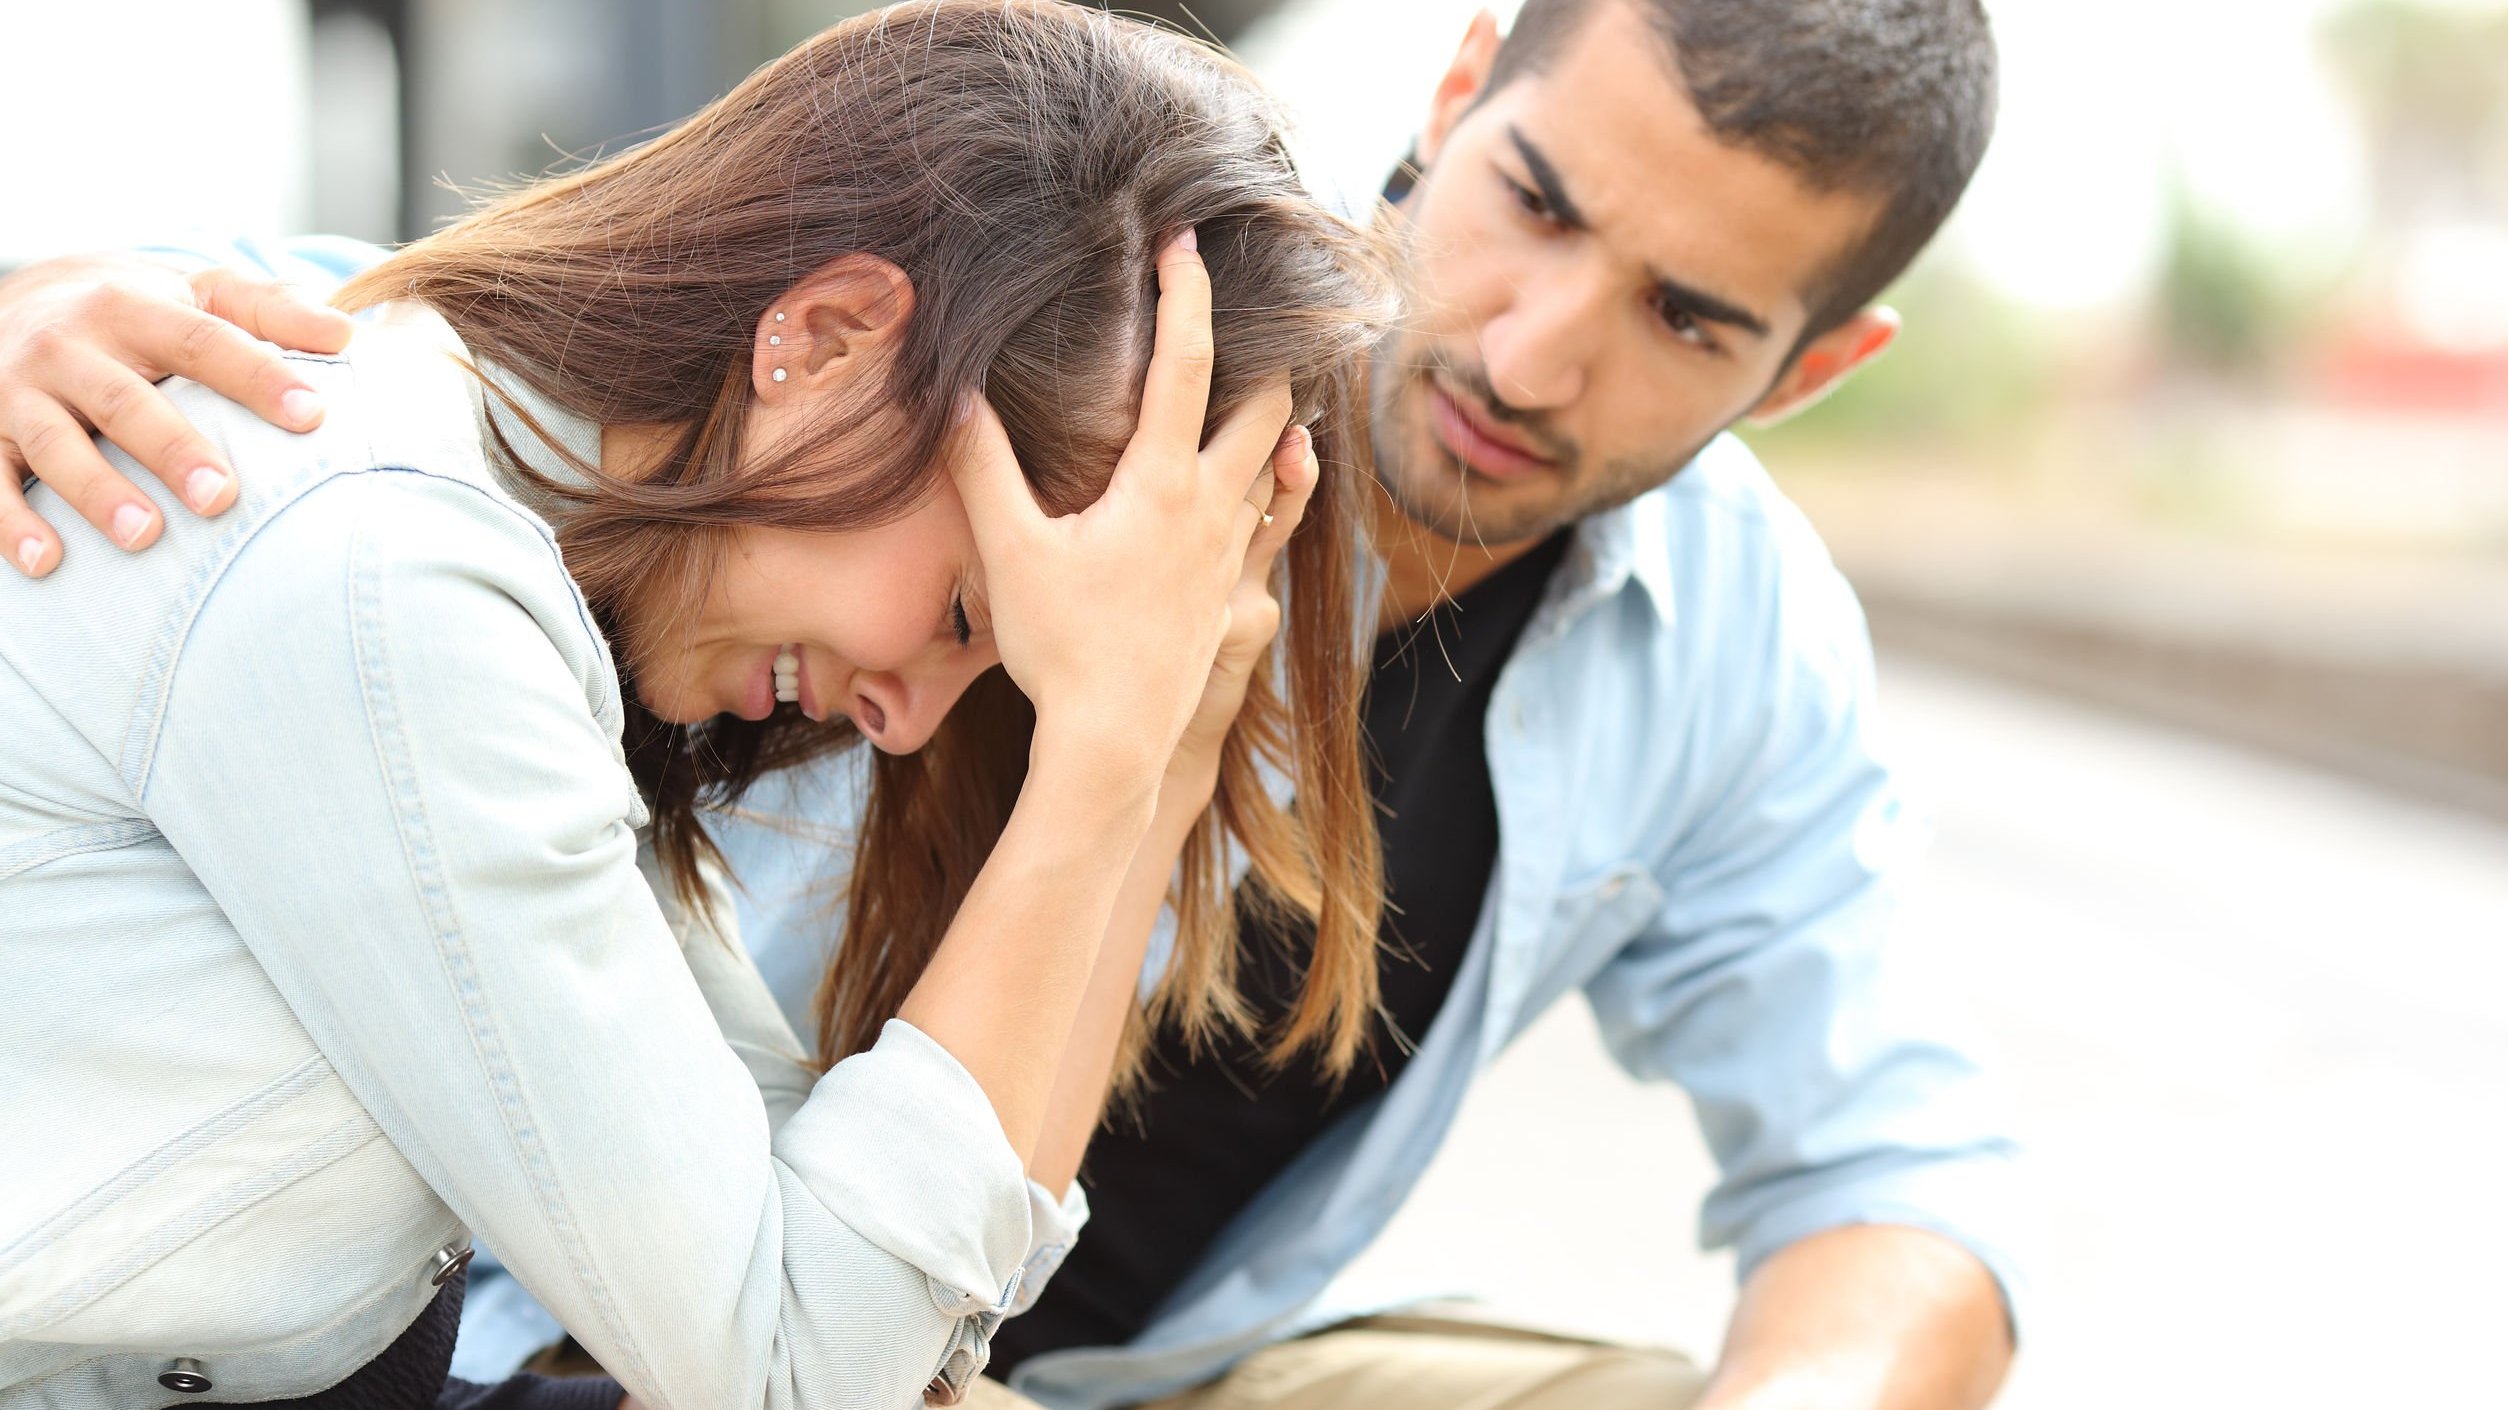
column 1471, row 383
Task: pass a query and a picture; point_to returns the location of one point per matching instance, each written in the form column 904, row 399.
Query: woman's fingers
column 1294, row 474
column 1000, row 506
column 1176, row 395
column 1239, row 458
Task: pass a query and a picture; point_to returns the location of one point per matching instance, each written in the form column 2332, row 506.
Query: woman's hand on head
column 1110, row 619
column 1253, row 618
column 82, row 340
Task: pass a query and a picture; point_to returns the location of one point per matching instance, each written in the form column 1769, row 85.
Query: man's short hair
column 1891, row 98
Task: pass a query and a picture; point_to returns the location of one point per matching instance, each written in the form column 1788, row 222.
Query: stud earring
column 779, row 315
column 774, row 340
column 779, row 374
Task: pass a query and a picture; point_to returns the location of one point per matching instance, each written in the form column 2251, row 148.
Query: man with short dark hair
column 1621, row 712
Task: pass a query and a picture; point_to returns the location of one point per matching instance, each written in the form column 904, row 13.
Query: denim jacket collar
column 544, row 437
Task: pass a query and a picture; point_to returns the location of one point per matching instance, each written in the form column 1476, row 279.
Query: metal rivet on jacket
column 449, row 1261
column 185, row 1375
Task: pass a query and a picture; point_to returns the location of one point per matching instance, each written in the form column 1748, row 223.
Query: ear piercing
column 779, row 374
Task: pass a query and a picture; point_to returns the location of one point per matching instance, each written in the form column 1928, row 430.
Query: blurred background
column 2181, row 512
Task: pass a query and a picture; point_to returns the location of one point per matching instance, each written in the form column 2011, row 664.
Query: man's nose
column 1536, row 350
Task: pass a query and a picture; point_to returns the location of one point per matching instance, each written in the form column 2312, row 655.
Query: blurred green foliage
column 2222, row 305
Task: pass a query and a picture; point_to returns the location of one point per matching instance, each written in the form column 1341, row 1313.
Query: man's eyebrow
column 1669, row 292
column 1546, row 180
column 1673, row 294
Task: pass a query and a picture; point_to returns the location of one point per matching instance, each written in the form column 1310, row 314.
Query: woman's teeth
column 788, row 676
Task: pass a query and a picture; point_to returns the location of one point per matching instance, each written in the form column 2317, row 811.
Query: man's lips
column 1470, row 437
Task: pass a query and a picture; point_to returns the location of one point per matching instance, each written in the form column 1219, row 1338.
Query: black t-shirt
column 1165, row 1179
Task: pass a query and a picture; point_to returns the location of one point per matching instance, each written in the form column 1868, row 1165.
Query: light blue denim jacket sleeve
column 384, row 741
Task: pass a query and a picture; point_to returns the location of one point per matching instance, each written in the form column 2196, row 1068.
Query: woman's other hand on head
column 1110, row 619
column 82, row 343
column 1253, row 617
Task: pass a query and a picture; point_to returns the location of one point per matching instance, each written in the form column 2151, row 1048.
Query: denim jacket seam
column 232, row 1201
column 156, row 688
column 376, row 686
column 218, row 1124
column 45, row 848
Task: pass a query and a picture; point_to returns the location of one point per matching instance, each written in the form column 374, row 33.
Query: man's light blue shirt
column 1698, row 831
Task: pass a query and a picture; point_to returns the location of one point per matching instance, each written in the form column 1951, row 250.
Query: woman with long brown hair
column 357, row 897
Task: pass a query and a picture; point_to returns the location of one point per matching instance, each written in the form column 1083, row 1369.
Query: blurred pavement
column 2255, row 1019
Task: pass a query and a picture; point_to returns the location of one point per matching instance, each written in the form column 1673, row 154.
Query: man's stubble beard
column 1397, row 384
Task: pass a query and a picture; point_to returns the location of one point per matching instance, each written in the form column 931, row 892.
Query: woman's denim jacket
column 328, row 945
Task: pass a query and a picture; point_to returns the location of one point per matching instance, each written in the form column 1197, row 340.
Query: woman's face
column 886, row 627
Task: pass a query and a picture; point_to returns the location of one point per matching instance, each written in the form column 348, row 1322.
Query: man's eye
column 1529, row 199
column 1686, row 327
column 958, row 623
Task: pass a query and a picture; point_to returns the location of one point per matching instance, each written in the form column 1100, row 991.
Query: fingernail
column 1189, row 239
column 301, row 407
column 203, row 486
column 30, row 551
column 129, row 522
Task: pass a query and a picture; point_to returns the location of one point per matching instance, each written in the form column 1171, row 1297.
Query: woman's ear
column 832, row 328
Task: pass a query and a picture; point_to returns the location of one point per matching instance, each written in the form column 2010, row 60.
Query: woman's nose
column 899, row 712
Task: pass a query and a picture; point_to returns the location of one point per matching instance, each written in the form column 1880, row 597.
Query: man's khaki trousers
column 1430, row 1362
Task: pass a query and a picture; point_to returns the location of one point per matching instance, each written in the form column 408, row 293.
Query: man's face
column 1602, row 286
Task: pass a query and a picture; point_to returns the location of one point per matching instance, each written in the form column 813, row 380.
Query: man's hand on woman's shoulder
column 84, row 339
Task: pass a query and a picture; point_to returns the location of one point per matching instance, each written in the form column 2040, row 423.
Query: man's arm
column 82, row 341
column 1873, row 1316
column 1865, row 1157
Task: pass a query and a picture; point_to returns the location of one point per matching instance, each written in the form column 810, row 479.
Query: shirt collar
column 1614, row 547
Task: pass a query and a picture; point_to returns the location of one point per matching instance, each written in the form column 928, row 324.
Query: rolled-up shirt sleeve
column 1834, row 1075
column 468, row 939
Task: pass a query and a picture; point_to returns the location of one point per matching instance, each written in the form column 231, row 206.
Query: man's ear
column 832, row 327
column 1827, row 362
column 1461, row 87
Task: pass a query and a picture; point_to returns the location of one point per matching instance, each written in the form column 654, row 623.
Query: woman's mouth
column 787, row 675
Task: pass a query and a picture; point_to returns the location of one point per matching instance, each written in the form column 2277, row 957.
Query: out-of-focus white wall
column 143, row 120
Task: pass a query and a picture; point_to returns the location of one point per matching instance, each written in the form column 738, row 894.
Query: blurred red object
column 2393, row 372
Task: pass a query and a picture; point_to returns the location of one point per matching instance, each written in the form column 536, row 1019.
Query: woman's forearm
column 1003, row 992
column 1079, row 1096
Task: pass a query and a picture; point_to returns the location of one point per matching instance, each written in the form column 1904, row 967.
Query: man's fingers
column 1176, row 396
column 25, row 539
column 61, row 455
column 990, row 483
column 226, row 359
column 273, row 311
column 137, row 417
